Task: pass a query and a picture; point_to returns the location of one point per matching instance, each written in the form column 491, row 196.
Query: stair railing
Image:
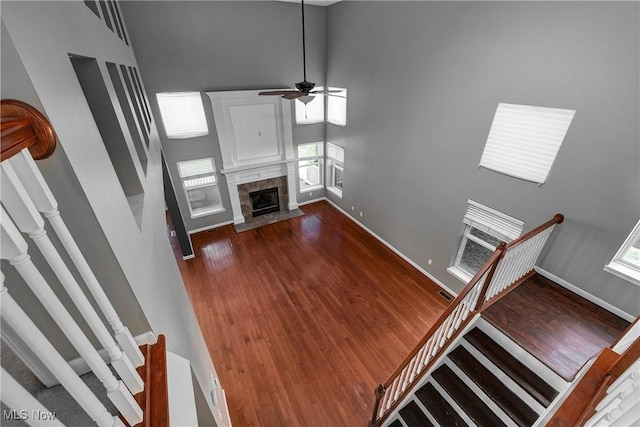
column 607, row 392
column 26, row 199
column 501, row 273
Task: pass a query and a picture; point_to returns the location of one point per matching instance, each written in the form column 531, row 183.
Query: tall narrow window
column 484, row 229
column 312, row 111
column 182, row 114
column 200, row 186
column 337, row 107
column 524, row 140
column 626, row 263
column 335, row 168
column 310, row 166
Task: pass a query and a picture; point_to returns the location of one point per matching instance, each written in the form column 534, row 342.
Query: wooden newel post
column 379, row 392
column 502, row 248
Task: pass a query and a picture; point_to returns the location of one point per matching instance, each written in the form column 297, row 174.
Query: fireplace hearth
column 264, row 201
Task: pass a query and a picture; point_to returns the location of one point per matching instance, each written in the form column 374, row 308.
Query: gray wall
column 44, row 33
column 424, row 80
column 217, row 46
column 78, row 216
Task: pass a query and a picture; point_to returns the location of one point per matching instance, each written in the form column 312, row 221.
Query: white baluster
column 20, row 207
column 39, row 191
column 417, row 366
column 14, row 249
column 42, row 348
column 19, row 399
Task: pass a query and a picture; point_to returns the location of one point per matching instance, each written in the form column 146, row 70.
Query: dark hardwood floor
column 560, row 328
column 305, row 317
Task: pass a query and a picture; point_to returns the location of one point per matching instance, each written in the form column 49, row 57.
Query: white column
column 14, row 249
column 234, row 196
column 39, row 192
column 293, row 186
column 28, row 220
column 24, row 405
column 42, row 348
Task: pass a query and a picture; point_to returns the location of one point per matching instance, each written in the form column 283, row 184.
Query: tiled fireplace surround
column 244, row 190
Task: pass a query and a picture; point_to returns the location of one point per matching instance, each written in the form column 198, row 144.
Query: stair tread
column 441, row 410
column 466, row 398
column 516, row 370
column 491, row 385
column 396, row 423
column 413, row 416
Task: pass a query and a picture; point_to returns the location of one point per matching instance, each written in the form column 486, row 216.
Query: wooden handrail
column 487, row 265
column 25, row 127
column 488, row 269
column 557, row 219
column 581, row 403
column 16, row 134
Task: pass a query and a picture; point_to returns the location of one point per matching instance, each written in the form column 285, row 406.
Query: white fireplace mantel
column 256, row 141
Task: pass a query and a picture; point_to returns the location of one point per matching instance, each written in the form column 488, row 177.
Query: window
column 335, row 168
column 200, row 186
column 626, row 263
column 524, row 140
column 337, row 107
column 311, row 111
column 484, row 229
column 310, row 166
column 182, row 114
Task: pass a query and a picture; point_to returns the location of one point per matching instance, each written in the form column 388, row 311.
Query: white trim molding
column 256, row 142
column 586, row 295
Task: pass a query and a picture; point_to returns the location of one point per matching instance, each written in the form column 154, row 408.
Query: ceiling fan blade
column 278, row 92
column 324, row 92
column 293, row 95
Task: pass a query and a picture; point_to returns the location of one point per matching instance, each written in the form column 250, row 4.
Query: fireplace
column 264, row 201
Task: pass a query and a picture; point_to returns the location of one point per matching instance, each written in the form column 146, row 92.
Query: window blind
column 335, row 152
column 492, row 221
column 182, row 114
column 196, row 167
column 524, row 140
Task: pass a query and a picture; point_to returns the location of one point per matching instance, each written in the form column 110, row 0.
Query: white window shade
column 182, row 114
column 196, row 167
column 335, row 152
column 491, row 221
column 337, row 107
column 524, row 140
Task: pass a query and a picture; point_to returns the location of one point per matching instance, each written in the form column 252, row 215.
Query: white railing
column 621, row 405
column 427, row 351
column 509, row 263
column 26, row 198
column 519, row 259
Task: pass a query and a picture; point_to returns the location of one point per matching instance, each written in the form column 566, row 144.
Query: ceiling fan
column 304, row 89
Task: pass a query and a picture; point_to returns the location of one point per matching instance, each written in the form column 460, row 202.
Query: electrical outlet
column 429, row 262
column 311, row 193
column 353, row 208
column 360, row 214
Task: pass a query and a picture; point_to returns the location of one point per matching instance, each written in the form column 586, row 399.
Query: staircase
column 485, row 379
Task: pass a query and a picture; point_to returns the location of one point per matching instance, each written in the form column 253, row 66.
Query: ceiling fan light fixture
column 306, row 99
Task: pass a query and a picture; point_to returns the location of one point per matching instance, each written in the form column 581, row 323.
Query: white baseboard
column 210, row 227
column 308, row 202
column 584, row 294
column 188, row 257
column 396, row 251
